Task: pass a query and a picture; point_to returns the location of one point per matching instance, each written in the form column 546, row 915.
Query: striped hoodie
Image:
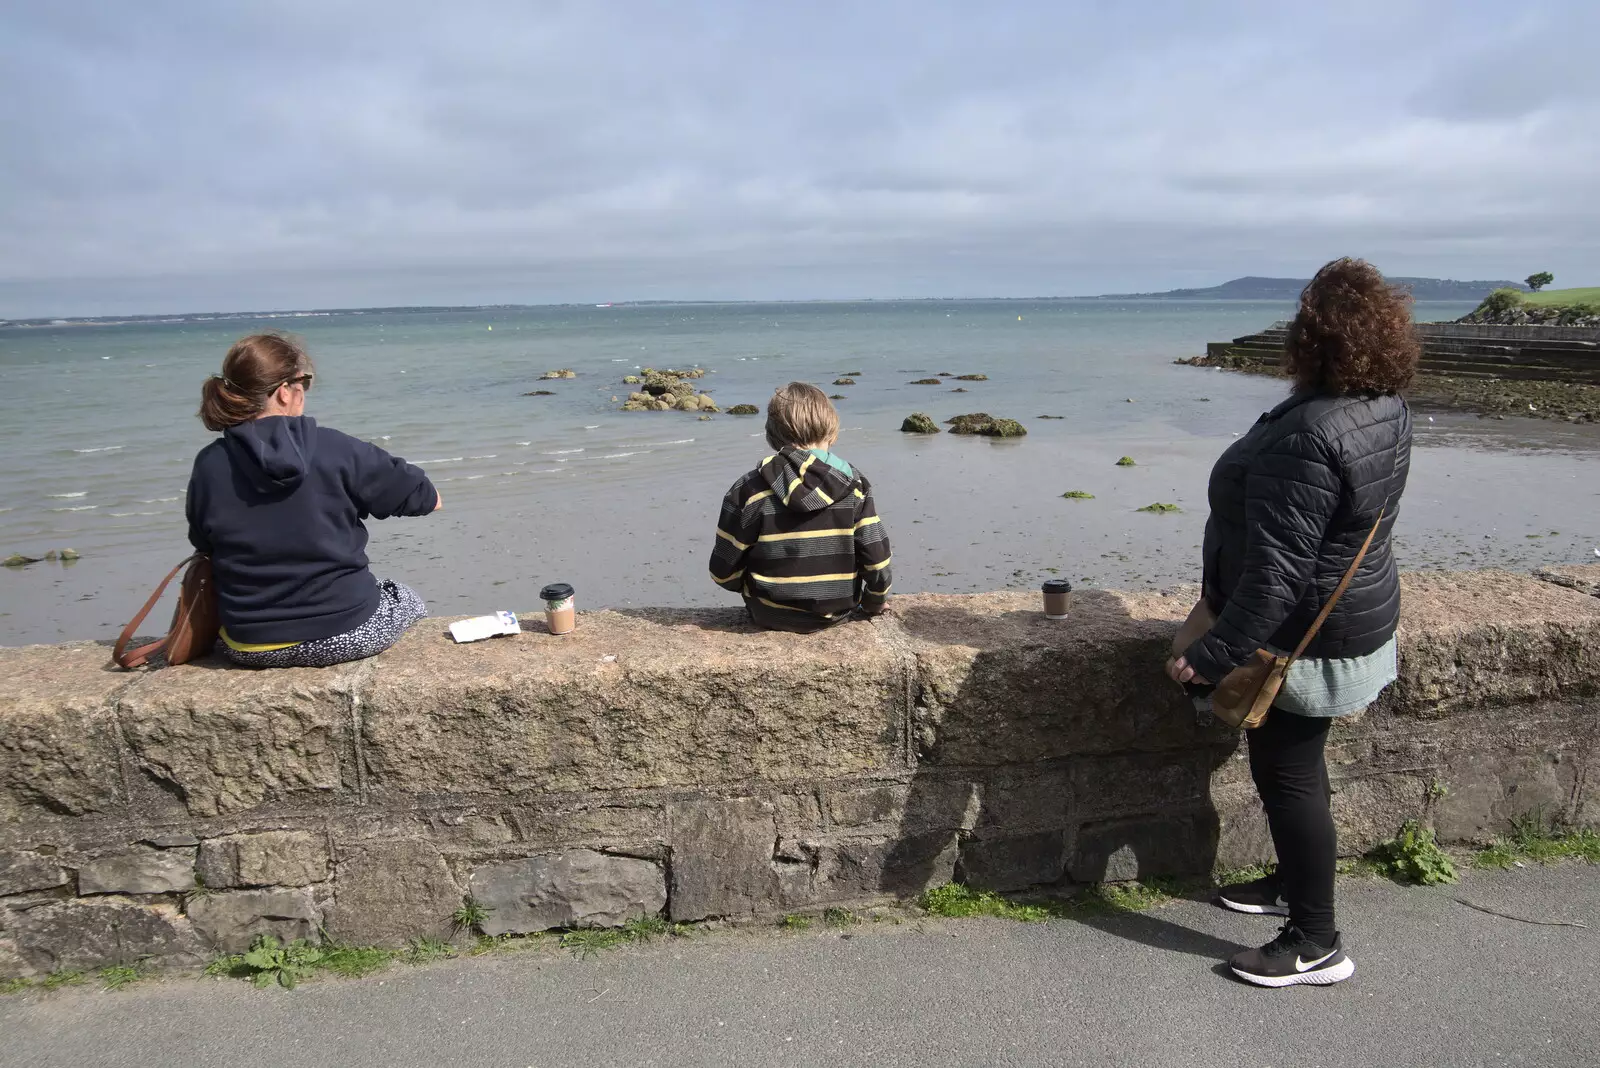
column 801, row 540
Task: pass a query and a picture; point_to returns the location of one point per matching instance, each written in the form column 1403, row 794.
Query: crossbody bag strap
column 119, row 652
column 1344, row 584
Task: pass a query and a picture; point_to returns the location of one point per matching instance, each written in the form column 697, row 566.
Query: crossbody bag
column 1244, row 696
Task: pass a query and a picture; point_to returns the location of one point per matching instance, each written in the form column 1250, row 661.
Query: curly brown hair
column 1353, row 333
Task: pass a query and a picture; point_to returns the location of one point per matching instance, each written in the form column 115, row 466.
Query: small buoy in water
column 1019, row 318
column 491, row 328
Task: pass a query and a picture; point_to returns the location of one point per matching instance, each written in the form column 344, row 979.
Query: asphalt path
column 1436, row 983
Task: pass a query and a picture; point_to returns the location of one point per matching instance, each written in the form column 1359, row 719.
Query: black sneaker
column 1263, row 897
column 1291, row 959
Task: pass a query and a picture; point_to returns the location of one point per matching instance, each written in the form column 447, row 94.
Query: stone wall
column 676, row 762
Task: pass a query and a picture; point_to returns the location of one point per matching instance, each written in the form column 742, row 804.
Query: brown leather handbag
column 194, row 622
column 1245, row 694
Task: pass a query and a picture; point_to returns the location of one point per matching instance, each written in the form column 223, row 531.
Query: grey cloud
column 166, row 154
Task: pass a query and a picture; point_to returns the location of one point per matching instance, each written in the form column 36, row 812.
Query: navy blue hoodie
column 278, row 503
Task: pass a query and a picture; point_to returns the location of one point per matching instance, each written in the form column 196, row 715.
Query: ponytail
column 254, row 367
column 222, row 405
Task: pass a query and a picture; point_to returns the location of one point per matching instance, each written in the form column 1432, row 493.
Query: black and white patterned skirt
column 399, row 606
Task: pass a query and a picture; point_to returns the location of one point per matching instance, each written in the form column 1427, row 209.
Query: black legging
column 1291, row 774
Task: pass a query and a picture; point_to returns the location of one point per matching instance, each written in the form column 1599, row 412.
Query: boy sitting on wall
column 799, row 536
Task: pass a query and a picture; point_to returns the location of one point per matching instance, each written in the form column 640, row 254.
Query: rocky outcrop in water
column 919, row 423
column 665, row 391
column 565, row 372
column 744, row 409
column 986, row 425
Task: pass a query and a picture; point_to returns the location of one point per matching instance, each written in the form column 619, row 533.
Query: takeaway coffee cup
column 1057, row 598
column 559, row 614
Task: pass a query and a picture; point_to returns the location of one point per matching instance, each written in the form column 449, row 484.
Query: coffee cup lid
column 1057, row 586
column 556, row 591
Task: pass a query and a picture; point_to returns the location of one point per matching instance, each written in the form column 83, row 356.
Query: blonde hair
column 799, row 415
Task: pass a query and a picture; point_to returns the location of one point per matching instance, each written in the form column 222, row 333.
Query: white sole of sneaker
column 1254, row 910
column 1338, row 973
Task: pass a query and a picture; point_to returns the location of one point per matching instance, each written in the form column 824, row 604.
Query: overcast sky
column 159, row 156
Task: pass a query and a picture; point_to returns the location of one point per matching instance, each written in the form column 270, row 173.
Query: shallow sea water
column 98, row 433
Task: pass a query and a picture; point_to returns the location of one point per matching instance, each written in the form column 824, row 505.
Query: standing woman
column 278, row 504
column 1292, row 501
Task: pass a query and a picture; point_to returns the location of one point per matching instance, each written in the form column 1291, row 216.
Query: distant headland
column 1252, row 287
column 1247, row 288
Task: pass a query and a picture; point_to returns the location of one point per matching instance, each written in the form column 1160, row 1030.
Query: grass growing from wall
column 955, row 901
column 1543, row 841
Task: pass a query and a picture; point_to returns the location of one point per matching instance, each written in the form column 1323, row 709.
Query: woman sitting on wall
column 278, row 503
column 1292, row 502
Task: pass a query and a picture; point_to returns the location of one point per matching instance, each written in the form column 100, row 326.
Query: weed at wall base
column 470, row 916
column 1413, row 856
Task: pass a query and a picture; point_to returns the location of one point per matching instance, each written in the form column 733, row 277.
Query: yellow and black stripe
column 803, row 542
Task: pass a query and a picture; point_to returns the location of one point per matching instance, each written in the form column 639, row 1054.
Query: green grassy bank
column 1560, row 298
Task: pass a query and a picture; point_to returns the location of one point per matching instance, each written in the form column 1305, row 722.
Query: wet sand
column 964, row 515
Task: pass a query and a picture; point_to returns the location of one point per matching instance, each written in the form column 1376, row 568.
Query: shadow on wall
column 1052, row 752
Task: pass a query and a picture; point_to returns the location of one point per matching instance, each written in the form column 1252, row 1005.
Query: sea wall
column 677, row 762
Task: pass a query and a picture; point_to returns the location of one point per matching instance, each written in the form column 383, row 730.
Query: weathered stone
column 229, row 922
column 80, row 936
column 1582, row 577
column 1142, row 847
column 226, row 741
column 387, row 892
column 145, row 871
column 633, row 700
column 22, row 872
column 1046, row 747
column 903, row 865
column 269, row 858
column 1144, row 782
column 722, row 858
column 634, row 829
column 855, row 808
column 1013, row 863
column 172, row 841
column 798, row 813
column 1094, row 683
column 1484, row 791
column 1026, row 799
column 575, row 888
column 12, row 965
column 1243, row 837
column 58, row 754
column 1469, row 638
column 1368, row 810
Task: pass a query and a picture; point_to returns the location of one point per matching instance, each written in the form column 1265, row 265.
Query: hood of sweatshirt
column 274, row 453
column 805, row 483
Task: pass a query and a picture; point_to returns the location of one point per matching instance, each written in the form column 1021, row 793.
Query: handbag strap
column 119, row 652
column 1344, row 584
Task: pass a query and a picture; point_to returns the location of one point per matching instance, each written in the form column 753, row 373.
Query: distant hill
column 1253, row 288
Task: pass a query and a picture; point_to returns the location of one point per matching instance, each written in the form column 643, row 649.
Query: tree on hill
column 1538, row 281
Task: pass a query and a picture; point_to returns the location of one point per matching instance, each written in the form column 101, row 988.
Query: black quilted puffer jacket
column 1291, row 503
